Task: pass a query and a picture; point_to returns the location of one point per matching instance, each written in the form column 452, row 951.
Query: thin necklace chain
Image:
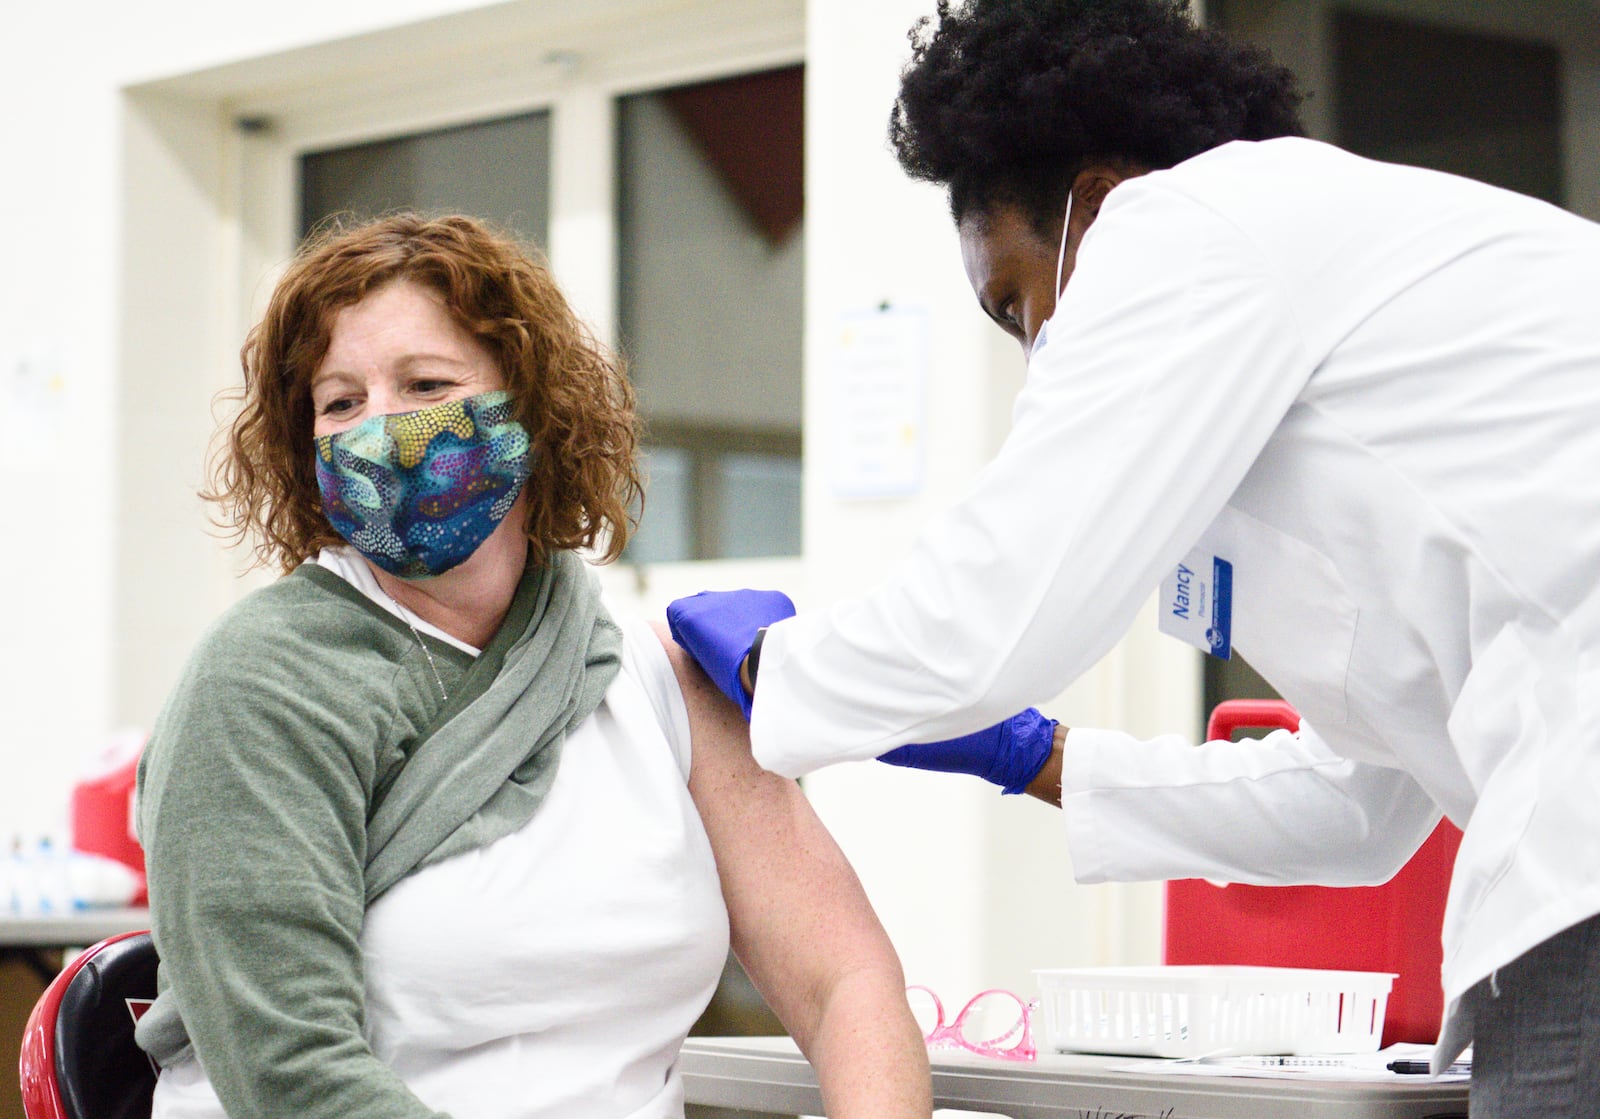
column 405, row 616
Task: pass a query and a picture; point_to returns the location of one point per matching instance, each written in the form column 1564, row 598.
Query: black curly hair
column 1005, row 101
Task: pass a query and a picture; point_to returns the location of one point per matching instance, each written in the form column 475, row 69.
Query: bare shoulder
column 698, row 690
column 683, row 665
column 717, row 729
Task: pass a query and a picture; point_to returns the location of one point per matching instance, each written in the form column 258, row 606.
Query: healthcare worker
column 1345, row 414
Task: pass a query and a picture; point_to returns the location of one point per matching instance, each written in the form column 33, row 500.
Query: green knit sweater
column 292, row 721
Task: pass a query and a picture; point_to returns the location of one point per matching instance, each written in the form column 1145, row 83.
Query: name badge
column 1197, row 603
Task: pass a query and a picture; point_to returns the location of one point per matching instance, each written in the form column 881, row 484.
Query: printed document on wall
column 33, row 400
column 877, row 387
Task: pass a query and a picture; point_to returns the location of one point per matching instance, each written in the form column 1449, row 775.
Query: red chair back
column 79, row 1059
column 1393, row 927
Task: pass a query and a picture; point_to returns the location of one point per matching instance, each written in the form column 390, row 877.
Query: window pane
column 666, row 532
column 759, row 495
column 710, row 276
column 1455, row 100
column 497, row 170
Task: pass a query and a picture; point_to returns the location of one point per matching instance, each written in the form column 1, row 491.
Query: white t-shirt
column 556, row 971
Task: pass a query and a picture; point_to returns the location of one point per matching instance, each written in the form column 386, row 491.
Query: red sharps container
column 102, row 807
column 1394, row 927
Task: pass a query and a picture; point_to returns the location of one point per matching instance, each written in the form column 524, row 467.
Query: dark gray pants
column 1536, row 1043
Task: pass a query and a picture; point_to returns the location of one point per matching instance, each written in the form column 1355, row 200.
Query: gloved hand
column 717, row 627
column 1009, row 754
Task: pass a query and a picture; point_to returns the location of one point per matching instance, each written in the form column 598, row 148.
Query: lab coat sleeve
column 1170, row 360
column 1275, row 811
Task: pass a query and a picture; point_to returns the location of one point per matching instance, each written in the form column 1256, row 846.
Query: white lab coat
column 1375, row 390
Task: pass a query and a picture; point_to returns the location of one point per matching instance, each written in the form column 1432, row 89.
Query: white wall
column 974, row 890
column 61, row 313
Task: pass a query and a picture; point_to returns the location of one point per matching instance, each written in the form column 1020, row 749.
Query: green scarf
column 484, row 768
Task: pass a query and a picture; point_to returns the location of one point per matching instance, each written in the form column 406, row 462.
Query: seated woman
column 427, row 830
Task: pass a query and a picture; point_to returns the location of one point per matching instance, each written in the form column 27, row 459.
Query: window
column 498, row 170
column 710, row 308
column 1484, row 106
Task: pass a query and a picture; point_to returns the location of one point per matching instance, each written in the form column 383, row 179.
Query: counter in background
column 30, row 938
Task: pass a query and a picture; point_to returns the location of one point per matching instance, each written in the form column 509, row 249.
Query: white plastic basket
column 1212, row 1011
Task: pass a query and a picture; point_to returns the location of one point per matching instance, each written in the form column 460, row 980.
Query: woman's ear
column 1092, row 184
column 1089, row 190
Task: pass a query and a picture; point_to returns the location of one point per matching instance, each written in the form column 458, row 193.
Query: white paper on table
column 1311, row 1066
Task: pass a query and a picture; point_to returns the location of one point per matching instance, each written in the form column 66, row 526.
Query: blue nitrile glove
column 1009, row 754
column 717, row 628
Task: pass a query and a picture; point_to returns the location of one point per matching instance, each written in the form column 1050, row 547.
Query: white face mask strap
column 1061, row 260
column 1061, row 257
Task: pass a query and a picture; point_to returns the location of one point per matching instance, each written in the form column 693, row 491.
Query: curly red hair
column 571, row 393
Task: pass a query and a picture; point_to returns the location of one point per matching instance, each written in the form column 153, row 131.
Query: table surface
column 770, row 1075
column 71, row 930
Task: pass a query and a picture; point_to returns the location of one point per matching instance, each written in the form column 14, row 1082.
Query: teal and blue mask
column 418, row 492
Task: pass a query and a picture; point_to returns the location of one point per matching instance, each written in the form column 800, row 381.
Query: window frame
column 578, row 87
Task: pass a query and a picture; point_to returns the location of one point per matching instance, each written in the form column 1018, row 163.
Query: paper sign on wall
column 33, row 400
column 877, row 384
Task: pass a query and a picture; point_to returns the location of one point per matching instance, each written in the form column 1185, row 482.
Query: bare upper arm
column 800, row 922
column 797, row 912
column 719, row 735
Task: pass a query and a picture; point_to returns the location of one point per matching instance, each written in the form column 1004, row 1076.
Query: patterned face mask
column 418, row 492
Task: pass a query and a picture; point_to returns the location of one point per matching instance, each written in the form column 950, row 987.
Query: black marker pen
column 1422, row 1068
